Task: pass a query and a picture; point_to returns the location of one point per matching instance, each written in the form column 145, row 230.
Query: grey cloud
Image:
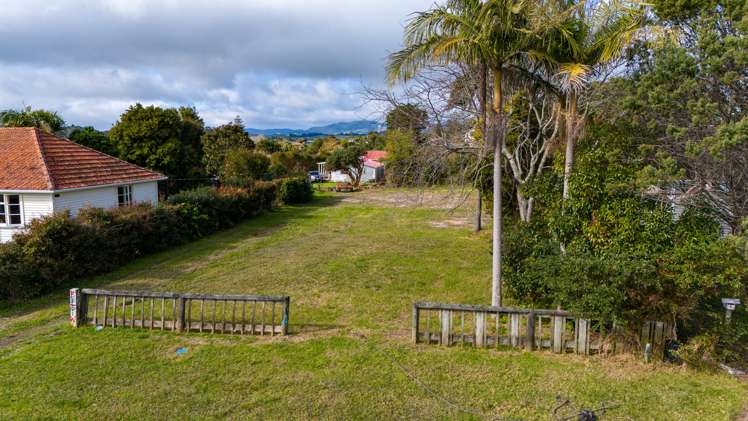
column 272, row 61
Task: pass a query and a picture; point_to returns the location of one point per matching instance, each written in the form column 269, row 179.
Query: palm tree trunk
column 498, row 131
column 482, row 100
column 571, row 141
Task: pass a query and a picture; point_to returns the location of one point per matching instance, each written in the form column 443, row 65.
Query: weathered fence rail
column 555, row 330
column 234, row 314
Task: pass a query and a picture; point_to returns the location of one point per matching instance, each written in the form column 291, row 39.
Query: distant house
column 41, row 174
column 373, row 169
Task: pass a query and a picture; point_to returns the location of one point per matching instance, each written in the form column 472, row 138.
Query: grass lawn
column 352, row 264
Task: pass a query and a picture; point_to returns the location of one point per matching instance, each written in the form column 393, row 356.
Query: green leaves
column 219, row 142
column 166, row 140
column 48, row 121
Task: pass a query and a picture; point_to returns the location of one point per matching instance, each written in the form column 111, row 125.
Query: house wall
column 104, row 197
column 6, row 234
column 372, row 175
column 33, row 205
column 145, row 193
column 101, row 197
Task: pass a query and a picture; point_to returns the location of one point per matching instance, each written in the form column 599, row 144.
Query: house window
column 10, row 209
column 124, row 195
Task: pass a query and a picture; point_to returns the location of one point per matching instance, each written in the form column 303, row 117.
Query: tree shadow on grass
column 173, row 260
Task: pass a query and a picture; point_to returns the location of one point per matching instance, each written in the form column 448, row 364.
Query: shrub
column 295, row 190
column 59, row 249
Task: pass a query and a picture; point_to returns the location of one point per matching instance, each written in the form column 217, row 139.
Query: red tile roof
column 375, row 155
column 33, row 160
column 373, row 159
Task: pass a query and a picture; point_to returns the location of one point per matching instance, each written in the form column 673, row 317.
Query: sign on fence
column 74, row 294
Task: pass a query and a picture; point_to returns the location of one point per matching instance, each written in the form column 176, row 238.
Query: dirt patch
column 450, row 223
column 402, row 198
column 45, row 328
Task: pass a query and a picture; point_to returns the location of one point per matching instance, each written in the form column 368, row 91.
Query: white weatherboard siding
column 36, row 205
column 6, row 234
column 33, row 205
column 103, row 197
column 75, row 200
column 145, row 193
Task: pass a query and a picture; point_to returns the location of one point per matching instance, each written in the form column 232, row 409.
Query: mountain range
column 358, row 127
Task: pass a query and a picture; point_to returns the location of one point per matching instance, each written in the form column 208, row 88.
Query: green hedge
column 295, row 190
column 59, row 249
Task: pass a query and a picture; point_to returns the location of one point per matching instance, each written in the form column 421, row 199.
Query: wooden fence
column 235, row 314
column 555, row 330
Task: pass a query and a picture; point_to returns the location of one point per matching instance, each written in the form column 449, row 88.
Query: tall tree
column 600, row 33
column 164, row 139
column 94, row 139
column 48, row 121
column 499, row 33
column 445, row 35
column 220, row 141
column 688, row 102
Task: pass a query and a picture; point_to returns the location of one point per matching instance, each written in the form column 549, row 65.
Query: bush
column 59, row 249
column 295, row 190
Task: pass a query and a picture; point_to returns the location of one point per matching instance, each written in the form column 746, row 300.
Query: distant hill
column 358, row 127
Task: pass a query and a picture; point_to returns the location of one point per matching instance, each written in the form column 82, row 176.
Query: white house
column 373, row 169
column 41, row 174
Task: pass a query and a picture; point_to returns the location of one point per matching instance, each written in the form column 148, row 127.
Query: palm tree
column 498, row 34
column 443, row 35
column 604, row 29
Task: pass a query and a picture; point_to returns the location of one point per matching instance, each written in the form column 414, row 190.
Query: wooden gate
column 235, row 314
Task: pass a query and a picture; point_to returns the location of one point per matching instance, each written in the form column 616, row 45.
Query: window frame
column 124, row 192
column 6, row 204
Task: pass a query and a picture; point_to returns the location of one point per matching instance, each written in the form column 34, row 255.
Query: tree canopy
column 220, row 141
column 49, row 121
column 163, row 139
column 94, row 139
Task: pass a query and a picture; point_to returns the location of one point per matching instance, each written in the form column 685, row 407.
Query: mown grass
column 353, row 271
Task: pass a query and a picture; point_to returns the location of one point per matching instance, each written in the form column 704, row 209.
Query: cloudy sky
column 275, row 63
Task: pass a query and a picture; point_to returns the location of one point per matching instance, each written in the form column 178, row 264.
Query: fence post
column 530, row 341
column 180, row 313
column 582, row 328
column 480, row 328
column 286, row 313
column 446, row 326
column 558, row 334
column 514, row 329
column 414, row 334
column 77, row 305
